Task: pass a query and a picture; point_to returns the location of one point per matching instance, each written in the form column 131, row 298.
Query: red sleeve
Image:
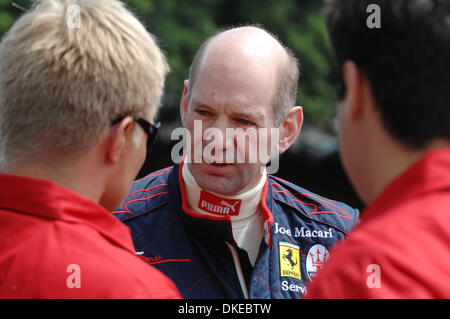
column 147, row 283
column 362, row 270
column 351, row 272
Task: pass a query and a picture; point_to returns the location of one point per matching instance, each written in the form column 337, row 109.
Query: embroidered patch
column 289, row 260
column 218, row 205
column 317, row 256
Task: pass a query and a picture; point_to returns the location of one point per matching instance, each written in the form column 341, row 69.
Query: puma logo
column 219, row 205
column 224, row 203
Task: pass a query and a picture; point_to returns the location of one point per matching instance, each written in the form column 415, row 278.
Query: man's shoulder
column 146, row 194
column 314, row 206
column 99, row 273
column 105, row 267
column 372, row 252
column 136, row 279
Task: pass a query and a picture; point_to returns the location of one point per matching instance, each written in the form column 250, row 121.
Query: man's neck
column 391, row 161
column 241, row 205
column 72, row 176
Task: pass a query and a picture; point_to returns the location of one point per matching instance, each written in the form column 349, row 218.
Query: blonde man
column 80, row 83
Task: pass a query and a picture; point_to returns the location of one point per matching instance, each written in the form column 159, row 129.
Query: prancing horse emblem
column 288, row 257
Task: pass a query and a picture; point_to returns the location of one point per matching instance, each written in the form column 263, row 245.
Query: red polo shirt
column 55, row 243
column 401, row 249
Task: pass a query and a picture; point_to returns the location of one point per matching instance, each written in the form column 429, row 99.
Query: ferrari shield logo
column 289, row 260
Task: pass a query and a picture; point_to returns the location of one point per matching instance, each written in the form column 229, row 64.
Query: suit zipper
column 239, row 272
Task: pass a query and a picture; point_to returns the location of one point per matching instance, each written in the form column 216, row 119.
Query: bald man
column 218, row 224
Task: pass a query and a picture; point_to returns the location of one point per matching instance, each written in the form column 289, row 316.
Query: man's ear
column 184, row 103
column 290, row 128
column 355, row 81
column 119, row 136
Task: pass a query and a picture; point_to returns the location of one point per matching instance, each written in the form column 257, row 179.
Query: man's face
column 228, row 95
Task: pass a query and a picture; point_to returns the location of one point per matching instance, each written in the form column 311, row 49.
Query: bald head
column 253, row 45
column 258, row 51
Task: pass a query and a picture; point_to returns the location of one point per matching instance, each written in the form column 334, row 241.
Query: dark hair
column 406, row 60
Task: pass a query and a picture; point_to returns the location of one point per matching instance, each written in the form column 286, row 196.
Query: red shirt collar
column 47, row 200
column 429, row 174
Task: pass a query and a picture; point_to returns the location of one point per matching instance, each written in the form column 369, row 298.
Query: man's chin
column 221, row 185
column 223, row 179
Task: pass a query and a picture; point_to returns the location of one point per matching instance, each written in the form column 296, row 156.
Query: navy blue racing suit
column 299, row 229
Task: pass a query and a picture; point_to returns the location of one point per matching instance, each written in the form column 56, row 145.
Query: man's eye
column 202, row 112
column 244, row 122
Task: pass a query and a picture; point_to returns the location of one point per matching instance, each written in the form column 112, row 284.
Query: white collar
column 241, row 208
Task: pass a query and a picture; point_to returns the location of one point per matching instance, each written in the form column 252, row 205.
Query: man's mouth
column 219, row 164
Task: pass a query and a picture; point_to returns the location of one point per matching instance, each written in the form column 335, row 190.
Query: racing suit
column 200, row 254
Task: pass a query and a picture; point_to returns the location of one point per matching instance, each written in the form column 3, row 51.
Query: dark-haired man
column 394, row 133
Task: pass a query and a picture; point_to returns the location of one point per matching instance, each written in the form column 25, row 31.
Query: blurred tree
column 9, row 11
column 182, row 25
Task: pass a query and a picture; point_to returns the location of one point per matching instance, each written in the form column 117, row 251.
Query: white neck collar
column 242, row 207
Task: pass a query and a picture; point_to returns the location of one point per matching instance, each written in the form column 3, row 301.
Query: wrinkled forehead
column 231, row 79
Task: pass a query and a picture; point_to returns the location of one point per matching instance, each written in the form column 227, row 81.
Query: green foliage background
column 182, row 25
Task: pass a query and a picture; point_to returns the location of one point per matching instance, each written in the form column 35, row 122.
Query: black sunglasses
column 152, row 130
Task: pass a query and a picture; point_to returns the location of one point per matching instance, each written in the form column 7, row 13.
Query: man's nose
column 221, row 126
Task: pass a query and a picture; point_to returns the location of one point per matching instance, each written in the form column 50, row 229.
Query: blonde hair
column 61, row 84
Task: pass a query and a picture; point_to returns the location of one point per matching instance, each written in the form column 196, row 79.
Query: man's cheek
column 195, row 131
